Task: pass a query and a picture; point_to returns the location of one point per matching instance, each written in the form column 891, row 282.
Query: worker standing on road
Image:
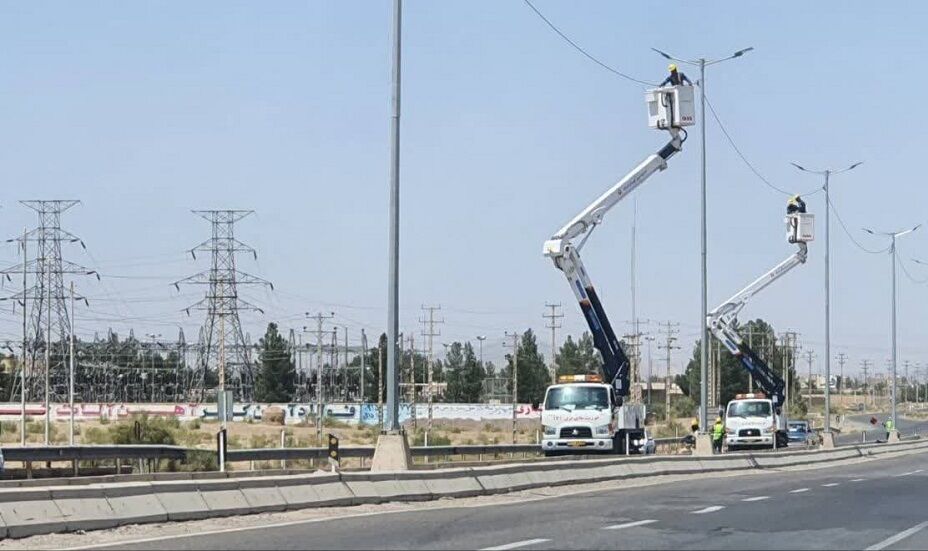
column 675, row 78
column 888, row 425
column 718, row 434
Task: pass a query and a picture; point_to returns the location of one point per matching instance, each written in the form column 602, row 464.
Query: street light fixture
column 480, row 339
column 702, row 63
column 827, row 174
column 892, row 250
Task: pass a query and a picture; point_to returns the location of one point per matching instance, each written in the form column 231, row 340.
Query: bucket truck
column 590, row 412
column 758, row 419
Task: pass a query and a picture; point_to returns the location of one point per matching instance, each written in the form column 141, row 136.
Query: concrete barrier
column 134, row 503
column 26, row 511
column 83, row 507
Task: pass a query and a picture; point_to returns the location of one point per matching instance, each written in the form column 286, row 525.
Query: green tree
column 533, row 374
column 578, row 357
column 463, row 373
column 276, row 380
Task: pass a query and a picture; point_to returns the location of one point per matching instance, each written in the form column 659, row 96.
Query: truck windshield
column 756, row 408
column 577, row 397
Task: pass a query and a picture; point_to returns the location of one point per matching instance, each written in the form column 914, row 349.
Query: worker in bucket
column 795, row 204
column 718, row 435
column 675, row 78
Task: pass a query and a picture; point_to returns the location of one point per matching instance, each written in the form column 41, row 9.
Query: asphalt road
column 906, row 427
column 852, row 506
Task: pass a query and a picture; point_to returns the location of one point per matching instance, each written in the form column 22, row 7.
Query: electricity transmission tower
column 49, row 326
column 553, row 324
column 223, row 349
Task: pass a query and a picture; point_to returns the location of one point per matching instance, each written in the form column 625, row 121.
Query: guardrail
column 152, row 454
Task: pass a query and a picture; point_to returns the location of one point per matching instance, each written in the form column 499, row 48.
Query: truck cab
column 751, row 421
column 581, row 415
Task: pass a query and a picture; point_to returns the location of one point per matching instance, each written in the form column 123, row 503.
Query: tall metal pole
column 363, row 357
column 704, row 346
column 71, row 371
column 22, row 367
column 48, row 346
column 393, row 303
column 827, row 427
column 893, row 397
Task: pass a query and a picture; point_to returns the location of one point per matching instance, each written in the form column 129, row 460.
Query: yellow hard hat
column 718, row 419
column 672, row 67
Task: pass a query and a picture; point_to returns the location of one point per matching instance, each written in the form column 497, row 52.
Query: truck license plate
column 576, row 443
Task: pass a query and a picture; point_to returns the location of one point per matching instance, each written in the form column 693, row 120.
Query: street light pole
column 392, row 424
column 480, row 339
column 702, row 63
column 892, row 254
column 827, row 173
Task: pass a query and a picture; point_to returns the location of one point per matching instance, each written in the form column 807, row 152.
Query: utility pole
column 670, row 338
column 430, row 334
column 842, row 358
column 865, row 366
column 702, row 63
column 319, row 318
column 553, row 324
column 649, row 339
column 412, row 377
column 892, row 251
column 363, row 367
column 810, row 355
column 827, row 174
column 905, row 388
column 515, row 379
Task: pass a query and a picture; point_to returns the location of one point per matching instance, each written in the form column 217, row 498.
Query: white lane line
column 515, row 545
column 897, row 538
column 711, row 509
column 908, row 473
column 830, row 485
column 799, row 491
column 858, row 480
column 756, row 498
column 628, row 524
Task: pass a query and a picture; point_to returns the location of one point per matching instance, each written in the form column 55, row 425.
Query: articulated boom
column 723, row 320
column 566, row 255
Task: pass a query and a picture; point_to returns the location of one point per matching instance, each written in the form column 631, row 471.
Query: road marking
column 830, row 485
column 628, row 524
column 711, row 509
column 756, row 498
column 897, row 538
column 908, row 473
column 515, row 545
column 799, row 491
column 858, row 480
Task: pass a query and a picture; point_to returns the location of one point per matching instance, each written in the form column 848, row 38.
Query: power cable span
column 584, row 52
column 745, row 160
column 851, row 237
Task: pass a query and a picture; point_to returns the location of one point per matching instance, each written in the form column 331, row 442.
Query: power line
column 851, row 237
column 905, row 270
column 584, row 52
column 745, row 160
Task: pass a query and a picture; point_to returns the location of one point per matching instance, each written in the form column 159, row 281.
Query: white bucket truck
column 581, row 414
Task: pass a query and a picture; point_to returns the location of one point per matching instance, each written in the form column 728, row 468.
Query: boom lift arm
column 566, row 255
column 722, row 321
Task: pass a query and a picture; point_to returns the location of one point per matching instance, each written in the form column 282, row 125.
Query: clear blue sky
column 145, row 110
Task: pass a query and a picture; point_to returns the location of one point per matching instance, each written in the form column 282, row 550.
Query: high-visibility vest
column 718, row 430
